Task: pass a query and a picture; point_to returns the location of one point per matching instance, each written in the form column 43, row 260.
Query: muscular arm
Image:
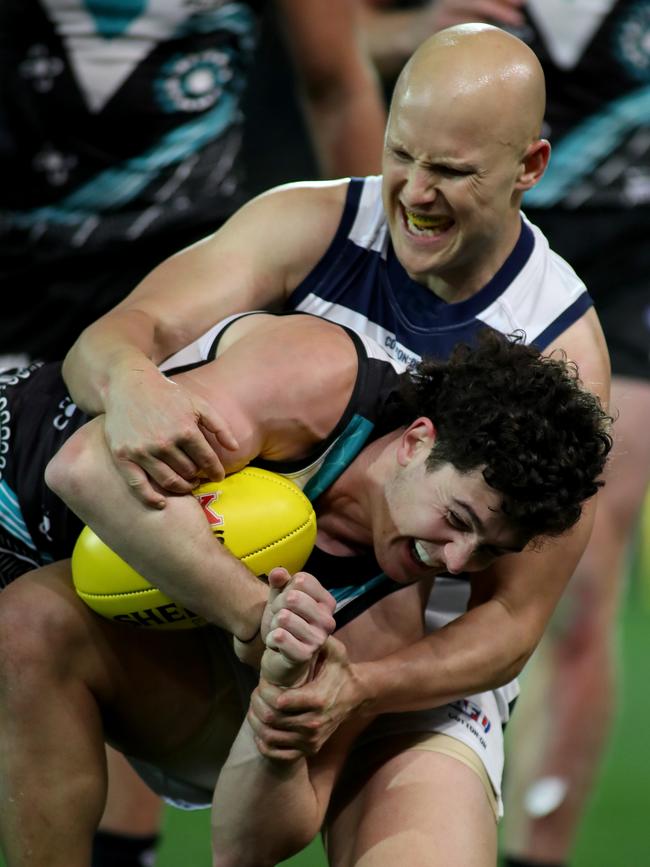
column 246, row 828
column 484, row 648
column 511, row 604
column 173, row 547
column 254, row 260
column 339, row 88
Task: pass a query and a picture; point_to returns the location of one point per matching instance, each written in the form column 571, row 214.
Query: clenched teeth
column 421, row 553
column 431, row 224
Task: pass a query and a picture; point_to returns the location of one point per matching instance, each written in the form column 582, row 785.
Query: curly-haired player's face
column 437, row 521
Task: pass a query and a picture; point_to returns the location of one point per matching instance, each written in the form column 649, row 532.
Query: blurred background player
column 121, row 139
column 593, row 205
column 120, row 142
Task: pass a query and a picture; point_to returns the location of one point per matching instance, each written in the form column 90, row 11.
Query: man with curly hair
column 441, row 469
column 419, row 259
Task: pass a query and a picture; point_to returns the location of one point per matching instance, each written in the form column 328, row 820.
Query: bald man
column 419, row 259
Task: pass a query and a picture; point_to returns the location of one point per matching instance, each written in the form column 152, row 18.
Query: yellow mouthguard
column 424, row 221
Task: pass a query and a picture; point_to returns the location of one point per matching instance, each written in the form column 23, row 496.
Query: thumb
column 278, row 580
column 215, row 422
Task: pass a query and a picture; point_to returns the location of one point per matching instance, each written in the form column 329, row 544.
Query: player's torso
column 596, row 60
column 128, row 110
column 360, row 283
column 37, row 416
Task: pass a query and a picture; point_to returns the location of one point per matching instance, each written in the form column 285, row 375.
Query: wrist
column 365, row 695
column 249, row 652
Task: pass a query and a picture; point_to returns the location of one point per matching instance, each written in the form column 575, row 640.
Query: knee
column 40, row 634
column 267, row 853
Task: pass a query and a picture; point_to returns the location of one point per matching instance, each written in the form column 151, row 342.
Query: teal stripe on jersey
column 113, row 18
column 345, row 595
column 234, row 17
column 11, row 517
column 344, row 451
column 581, row 151
column 117, row 186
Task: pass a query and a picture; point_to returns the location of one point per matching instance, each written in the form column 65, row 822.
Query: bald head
column 480, row 71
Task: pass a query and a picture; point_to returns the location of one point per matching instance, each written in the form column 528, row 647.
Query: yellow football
column 262, row 518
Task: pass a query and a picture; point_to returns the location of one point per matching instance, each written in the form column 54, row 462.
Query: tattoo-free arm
column 340, row 92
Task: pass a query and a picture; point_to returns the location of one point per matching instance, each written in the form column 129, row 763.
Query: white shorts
column 188, row 780
column 477, row 721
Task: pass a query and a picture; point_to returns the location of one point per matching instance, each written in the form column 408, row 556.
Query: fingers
column 306, row 596
column 218, row 425
column 294, row 638
column 173, row 439
column 303, row 738
column 278, row 580
column 140, row 484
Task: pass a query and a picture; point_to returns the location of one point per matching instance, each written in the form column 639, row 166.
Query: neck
column 344, row 510
column 459, row 284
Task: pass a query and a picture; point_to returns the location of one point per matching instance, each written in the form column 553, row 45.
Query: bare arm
column 174, row 548
column 254, row 260
column 393, row 34
column 281, row 800
column 484, row 648
column 340, row 92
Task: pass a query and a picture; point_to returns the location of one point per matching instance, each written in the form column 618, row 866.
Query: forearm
column 392, row 36
column 347, row 128
column 340, row 90
column 481, row 650
column 173, row 547
column 119, row 347
column 264, row 810
column 489, row 644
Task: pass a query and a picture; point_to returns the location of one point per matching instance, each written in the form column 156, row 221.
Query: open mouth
column 427, row 225
column 420, row 554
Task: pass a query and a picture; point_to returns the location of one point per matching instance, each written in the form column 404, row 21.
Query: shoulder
column 290, row 227
column 584, row 344
column 287, row 379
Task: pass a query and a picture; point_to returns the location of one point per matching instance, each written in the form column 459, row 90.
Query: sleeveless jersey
column 119, row 119
column 355, row 582
column 596, row 59
column 37, row 416
column 360, row 283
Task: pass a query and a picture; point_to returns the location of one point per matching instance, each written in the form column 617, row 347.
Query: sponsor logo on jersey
column 473, row 712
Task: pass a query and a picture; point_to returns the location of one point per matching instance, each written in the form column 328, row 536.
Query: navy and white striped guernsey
column 360, row 283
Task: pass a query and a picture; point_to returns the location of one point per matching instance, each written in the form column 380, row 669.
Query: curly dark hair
column 541, row 438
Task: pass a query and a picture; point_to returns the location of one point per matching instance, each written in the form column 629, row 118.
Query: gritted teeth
column 421, row 553
column 427, row 222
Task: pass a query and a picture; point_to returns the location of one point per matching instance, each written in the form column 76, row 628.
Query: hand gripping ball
column 262, row 518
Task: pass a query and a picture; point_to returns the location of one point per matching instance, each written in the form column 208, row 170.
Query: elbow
column 522, row 649
column 69, row 472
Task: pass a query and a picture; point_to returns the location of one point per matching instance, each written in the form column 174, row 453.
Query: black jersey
column 37, row 415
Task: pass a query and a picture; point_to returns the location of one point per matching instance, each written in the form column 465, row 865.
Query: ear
column 533, row 164
column 419, row 435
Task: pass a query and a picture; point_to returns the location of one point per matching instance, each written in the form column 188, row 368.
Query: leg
column 129, row 829
column 404, row 805
column 61, row 666
column 580, row 659
column 131, row 807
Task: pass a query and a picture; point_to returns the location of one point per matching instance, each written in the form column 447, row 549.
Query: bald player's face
column 450, row 176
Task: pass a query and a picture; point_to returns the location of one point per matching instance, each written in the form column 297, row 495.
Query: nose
column 420, row 188
column 457, row 555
